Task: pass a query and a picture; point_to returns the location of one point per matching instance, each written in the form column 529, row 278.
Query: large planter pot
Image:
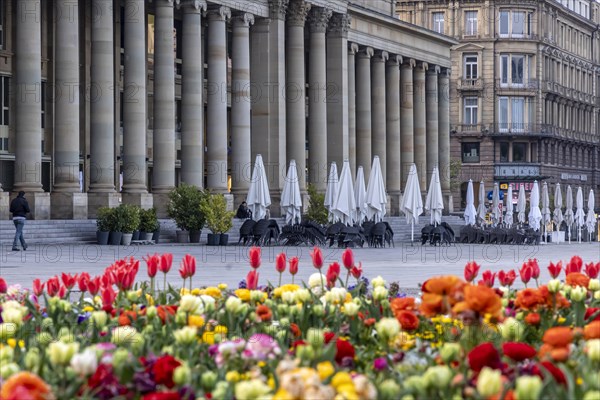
column 156, row 235
column 195, row 236
column 183, row 237
column 223, row 239
column 115, row 238
column 213, row 239
column 136, row 235
column 148, row 236
column 102, row 237
column 126, row 239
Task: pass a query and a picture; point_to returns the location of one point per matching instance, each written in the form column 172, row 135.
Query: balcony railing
column 470, row 84
column 528, row 84
column 518, row 36
column 516, row 169
column 541, row 130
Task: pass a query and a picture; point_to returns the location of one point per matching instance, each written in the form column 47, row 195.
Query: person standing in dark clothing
column 19, row 209
column 243, row 211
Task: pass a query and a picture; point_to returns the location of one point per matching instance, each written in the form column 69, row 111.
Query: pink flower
column 317, row 257
column 254, row 254
column 261, row 346
column 188, row 266
column 166, row 261
column 294, row 265
column 471, row 271
column 252, row 279
column 280, row 263
column 348, row 258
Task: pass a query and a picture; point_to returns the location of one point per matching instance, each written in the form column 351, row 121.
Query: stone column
column 450, row 19
column 67, row 201
column 296, row 88
column 240, row 108
column 392, row 106
column 192, row 93
column 444, row 136
column 420, row 138
column 431, row 87
column 267, row 72
column 352, row 50
column 134, row 108
column 378, row 117
column 407, row 155
column 102, row 191
column 337, row 89
column 28, row 104
column 363, row 109
column 216, row 118
column 318, row 19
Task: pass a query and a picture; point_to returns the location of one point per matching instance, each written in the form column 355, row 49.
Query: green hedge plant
column 184, row 207
column 214, row 208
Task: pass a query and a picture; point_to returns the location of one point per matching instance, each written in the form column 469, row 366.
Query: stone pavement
column 409, row 265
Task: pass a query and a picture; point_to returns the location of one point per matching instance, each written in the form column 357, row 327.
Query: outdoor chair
column 367, row 226
column 389, row 234
column 350, row 236
column 259, row 232
column 274, row 231
column 246, row 231
column 426, row 234
column 449, row 231
column 378, row 235
column 332, row 232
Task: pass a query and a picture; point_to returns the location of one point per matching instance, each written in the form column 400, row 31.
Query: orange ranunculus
column 25, row 385
column 592, row 330
column 560, row 354
column 399, row 304
column 529, row 298
column 370, row 321
column 510, row 395
column 166, row 312
column 408, row 320
column 533, row 319
column 483, row 300
column 295, row 329
column 557, row 300
column 559, row 336
column 442, row 285
column 127, row 317
column 578, row 279
column 264, row 313
column 544, row 351
column 432, row 304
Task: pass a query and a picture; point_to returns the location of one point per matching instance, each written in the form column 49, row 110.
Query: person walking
column 19, row 209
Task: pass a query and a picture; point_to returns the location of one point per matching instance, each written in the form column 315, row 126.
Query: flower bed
column 337, row 336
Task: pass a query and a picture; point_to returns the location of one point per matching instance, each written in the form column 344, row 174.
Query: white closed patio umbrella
column 508, row 216
column 258, row 198
column 332, row 191
column 557, row 215
column 344, row 207
column 546, row 215
column 470, row 211
column 590, row 220
column 521, row 205
column 569, row 215
column 579, row 214
column 535, row 215
column 496, row 213
column 412, row 203
column 291, row 201
column 376, row 196
column 434, row 202
column 360, row 193
column 481, row 208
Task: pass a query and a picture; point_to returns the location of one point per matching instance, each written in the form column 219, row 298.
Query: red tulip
column 152, row 262
column 108, row 297
column 166, row 261
column 93, row 286
column 252, row 279
column 488, row 278
column 317, row 257
column 62, row 291
column 507, row 278
column 525, row 273
column 574, row 265
column 38, row 287
column 68, row 280
column 294, row 265
column 254, row 254
column 53, row 286
column 471, row 271
column 82, row 281
column 188, row 266
column 356, row 271
column 333, row 273
column 555, row 269
column 348, row 258
column 280, row 263
column 3, row 286
column 535, row 268
column 592, row 270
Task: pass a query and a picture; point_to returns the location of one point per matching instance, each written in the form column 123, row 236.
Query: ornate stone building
column 525, row 89
column 121, row 100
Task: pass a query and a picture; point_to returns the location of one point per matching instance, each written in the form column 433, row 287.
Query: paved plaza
column 409, row 265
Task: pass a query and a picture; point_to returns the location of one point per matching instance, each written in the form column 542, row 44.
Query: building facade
column 524, row 90
column 121, row 100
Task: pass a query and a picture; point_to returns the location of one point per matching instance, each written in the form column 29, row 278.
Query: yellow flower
column 579, row 381
column 341, row 378
column 184, row 291
column 213, row 292
column 88, row 308
column 271, row 382
column 232, row 376
column 348, row 391
column 243, row 294
column 222, row 329
column 208, row 338
column 325, row 370
column 348, row 298
column 149, row 299
column 561, row 320
column 282, row 394
column 196, row 292
column 196, row 320
column 12, row 342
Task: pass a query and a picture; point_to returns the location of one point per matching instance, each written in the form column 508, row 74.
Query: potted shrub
column 129, row 215
column 148, row 223
column 184, row 209
column 218, row 219
column 103, row 223
column 116, row 227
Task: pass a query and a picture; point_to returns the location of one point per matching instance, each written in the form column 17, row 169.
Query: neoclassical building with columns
column 108, row 101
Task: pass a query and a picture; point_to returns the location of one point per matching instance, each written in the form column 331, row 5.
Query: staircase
column 84, row 231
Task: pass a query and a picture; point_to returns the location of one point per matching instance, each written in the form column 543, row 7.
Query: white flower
column 233, row 305
column 387, row 328
column 60, row 353
column 316, row 279
column 592, row 348
column 185, row 335
column 335, row 296
column 208, row 303
column 288, row 297
column 191, row 304
column 302, row 295
column 85, row 363
column 594, row 285
column 378, row 281
column 380, row 293
column 351, row 309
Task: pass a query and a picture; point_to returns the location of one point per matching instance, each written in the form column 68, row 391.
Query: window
column 514, row 24
column 471, row 66
column 470, row 152
column 470, row 23
column 511, row 114
column 519, row 152
column 438, row 22
column 4, row 144
column 4, row 100
column 513, row 69
column 504, row 151
column 470, row 116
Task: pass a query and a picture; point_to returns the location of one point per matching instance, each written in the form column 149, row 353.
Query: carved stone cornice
column 277, row 8
column 243, row 19
column 192, row 6
column 222, row 13
column 297, row 12
column 318, row 19
column 339, row 25
column 365, row 52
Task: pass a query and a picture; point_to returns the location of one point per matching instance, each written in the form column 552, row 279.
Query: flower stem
column 190, row 284
column 165, row 281
column 347, row 277
column 279, row 279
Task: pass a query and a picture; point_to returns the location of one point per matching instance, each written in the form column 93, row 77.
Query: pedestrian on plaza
column 243, row 211
column 19, row 209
